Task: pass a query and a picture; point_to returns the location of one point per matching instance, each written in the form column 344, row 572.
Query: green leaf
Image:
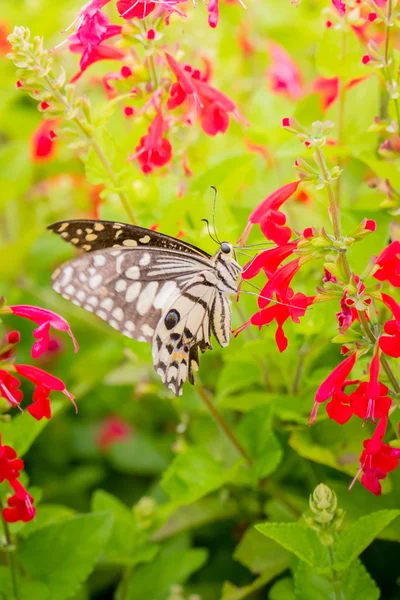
column 28, row 590
column 127, row 544
column 63, row 555
column 353, row 584
column 194, row 474
column 257, row 437
column 47, row 514
column 358, row 536
column 21, row 431
column 283, row 589
column 231, row 592
column 257, row 553
column 139, row 454
column 300, row 540
column 153, row 581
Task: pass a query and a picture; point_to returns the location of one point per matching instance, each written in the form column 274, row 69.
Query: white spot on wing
column 147, row 330
column 133, row 291
column 130, row 326
column 99, row 260
column 107, row 303
column 121, row 285
column 145, row 260
column 118, row 313
column 133, row 272
column 67, row 276
column 166, row 292
column 95, row 281
column 146, row 297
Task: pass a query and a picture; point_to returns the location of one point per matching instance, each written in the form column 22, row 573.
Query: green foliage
column 63, row 555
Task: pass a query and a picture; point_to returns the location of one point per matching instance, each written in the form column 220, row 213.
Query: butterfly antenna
column 209, row 232
column 213, row 213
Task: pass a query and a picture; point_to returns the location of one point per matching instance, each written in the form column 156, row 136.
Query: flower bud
column 145, row 511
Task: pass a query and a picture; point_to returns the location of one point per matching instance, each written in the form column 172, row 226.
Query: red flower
column 390, row 343
column 112, row 430
column 339, row 408
column 347, row 315
column 45, row 319
column 44, row 383
column 43, row 146
column 370, row 399
column 377, row 460
column 268, row 260
column 92, row 23
column 20, row 505
column 10, row 464
column 9, row 388
column 93, row 54
column 279, row 283
column 211, row 105
column 295, row 307
column 267, row 215
column 333, row 384
column 154, row 150
column 328, row 90
column 284, row 75
column 389, row 263
column 131, row 9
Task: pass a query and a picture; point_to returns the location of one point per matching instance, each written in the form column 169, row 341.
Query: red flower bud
column 286, row 122
column 151, row 34
column 366, row 59
column 129, row 111
column 372, row 16
column 44, row 105
column 126, row 71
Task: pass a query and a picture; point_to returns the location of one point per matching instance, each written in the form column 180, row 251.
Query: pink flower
column 340, row 6
column 131, row 9
column 112, row 430
column 213, row 12
column 267, row 215
column 45, row 319
column 284, row 75
column 154, row 150
column 328, row 89
column 20, row 505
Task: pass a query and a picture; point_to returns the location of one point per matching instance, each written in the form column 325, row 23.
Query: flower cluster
column 363, row 326
column 20, row 504
column 9, row 370
column 154, row 89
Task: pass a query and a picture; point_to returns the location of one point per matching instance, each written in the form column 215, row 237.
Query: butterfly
column 153, row 288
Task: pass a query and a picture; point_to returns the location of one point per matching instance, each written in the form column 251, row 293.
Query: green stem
column 335, row 579
column 387, row 31
column 218, row 418
column 298, row 374
column 93, row 143
column 10, row 548
column 341, row 101
column 346, row 267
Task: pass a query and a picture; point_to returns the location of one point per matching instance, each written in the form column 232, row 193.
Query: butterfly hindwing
column 90, row 235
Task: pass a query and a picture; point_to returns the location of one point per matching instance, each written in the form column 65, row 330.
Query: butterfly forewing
column 90, row 235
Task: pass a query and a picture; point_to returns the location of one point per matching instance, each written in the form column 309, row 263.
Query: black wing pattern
column 90, row 235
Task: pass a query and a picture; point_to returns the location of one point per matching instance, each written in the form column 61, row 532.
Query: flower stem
column 334, row 210
column 334, row 577
column 10, row 549
column 218, row 418
column 341, row 101
column 387, row 31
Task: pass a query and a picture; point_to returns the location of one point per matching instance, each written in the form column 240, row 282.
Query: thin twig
column 218, row 418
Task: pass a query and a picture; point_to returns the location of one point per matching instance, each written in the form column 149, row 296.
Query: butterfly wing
column 90, row 235
column 129, row 288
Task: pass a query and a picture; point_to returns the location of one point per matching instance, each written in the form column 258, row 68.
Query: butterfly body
column 152, row 288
